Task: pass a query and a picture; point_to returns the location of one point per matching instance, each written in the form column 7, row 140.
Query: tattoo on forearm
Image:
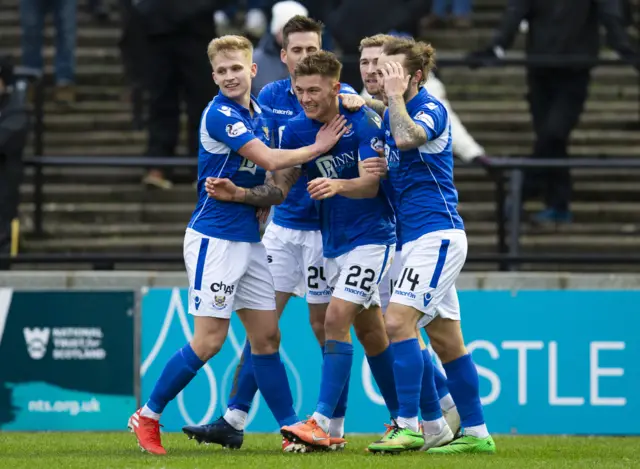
column 265, row 195
column 272, row 193
column 289, row 177
column 377, row 106
column 403, row 129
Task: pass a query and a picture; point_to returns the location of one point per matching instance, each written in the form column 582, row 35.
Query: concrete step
column 457, row 92
column 118, row 176
column 592, row 106
column 11, row 16
column 477, row 191
column 476, row 106
column 144, row 212
column 508, row 121
column 557, row 243
column 521, row 121
column 105, row 56
column 83, row 230
column 592, row 138
column 500, row 76
column 582, row 151
column 91, row 36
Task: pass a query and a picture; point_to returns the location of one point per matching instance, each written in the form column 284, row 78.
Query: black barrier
column 508, row 250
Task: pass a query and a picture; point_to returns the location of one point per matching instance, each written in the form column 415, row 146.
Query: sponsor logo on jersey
column 426, row 118
column 285, row 112
column 235, row 130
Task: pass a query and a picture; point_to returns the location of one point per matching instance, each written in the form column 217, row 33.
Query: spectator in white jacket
column 464, row 145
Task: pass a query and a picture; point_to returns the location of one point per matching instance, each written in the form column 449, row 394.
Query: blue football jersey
column 425, row 197
column 346, row 223
column 224, row 128
column 297, row 212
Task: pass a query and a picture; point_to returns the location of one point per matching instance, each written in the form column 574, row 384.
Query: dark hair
column 418, row 55
column 322, row 63
column 300, row 24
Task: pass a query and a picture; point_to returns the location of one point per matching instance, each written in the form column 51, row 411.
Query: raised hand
column 352, row 102
column 395, row 80
column 330, row 133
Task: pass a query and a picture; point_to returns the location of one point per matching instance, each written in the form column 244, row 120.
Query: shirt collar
column 417, row 100
column 290, row 86
column 238, row 107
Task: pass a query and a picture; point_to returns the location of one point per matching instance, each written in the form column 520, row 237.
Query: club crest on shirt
column 265, row 129
column 349, row 131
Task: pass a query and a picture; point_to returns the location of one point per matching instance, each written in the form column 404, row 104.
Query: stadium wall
column 556, row 353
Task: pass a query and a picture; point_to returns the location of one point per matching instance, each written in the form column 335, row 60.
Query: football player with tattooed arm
column 292, row 240
column 225, row 261
column 420, row 170
column 358, row 235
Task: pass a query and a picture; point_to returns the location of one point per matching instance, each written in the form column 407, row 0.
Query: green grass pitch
column 120, row 451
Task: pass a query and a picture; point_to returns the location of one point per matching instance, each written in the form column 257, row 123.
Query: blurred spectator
column 460, row 14
column 560, row 28
column 133, row 50
column 98, row 10
column 177, row 35
column 32, row 16
column 255, row 20
column 351, row 20
column 13, row 132
column 268, row 53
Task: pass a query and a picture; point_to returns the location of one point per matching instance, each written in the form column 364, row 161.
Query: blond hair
column 322, row 63
column 378, row 40
column 229, row 43
column 418, row 55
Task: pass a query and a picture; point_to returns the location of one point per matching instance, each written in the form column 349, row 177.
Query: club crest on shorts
column 219, row 302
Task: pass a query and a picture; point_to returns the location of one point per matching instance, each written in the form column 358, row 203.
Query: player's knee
column 206, row 346
column 267, row 342
column 398, row 328
column 336, row 326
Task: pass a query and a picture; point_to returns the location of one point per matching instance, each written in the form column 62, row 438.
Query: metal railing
column 508, row 225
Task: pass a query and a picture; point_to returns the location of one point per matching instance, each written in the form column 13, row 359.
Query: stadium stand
column 109, row 210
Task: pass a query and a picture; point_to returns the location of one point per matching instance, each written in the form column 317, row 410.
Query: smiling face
column 233, row 72
column 299, row 45
column 369, row 69
column 317, row 95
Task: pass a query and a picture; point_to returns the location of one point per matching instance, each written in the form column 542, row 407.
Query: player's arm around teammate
column 364, row 187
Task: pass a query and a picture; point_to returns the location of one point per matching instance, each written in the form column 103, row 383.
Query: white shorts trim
column 430, row 266
column 296, row 262
column 355, row 276
column 226, row 276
